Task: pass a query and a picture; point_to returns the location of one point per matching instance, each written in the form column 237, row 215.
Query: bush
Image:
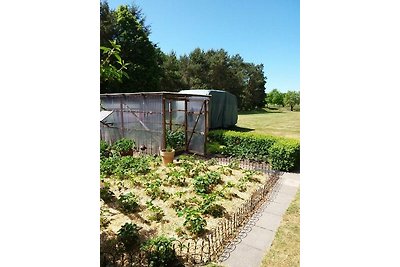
column 282, row 153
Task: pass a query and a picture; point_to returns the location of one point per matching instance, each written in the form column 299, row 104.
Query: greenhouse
column 223, row 111
column 147, row 118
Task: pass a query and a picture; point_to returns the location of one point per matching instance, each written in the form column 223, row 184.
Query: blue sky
column 261, row 31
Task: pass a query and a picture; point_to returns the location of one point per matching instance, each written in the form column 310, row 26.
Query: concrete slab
column 276, row 208
column 284, row 189
column 283, row 198
column 244, row 256
column 259, row 238
column 250, row 251
column 269, row 221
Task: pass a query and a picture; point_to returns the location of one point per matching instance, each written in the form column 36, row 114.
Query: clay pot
column 167, row 157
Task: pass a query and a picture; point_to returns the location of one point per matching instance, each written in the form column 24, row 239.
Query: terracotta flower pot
column 167, row 157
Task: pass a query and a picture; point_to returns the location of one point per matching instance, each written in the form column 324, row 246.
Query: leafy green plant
column 210, row 207
column 194, row 222
column 175, row 139
column 160, row 252
column 234, row 164
column 203, row 184
column 105, row 149
column 128, row 202
column 112, row 66
column 125, row 167
column 128, row 235
column 153, row 189
column 106, row 194
column 176, row 177
column 108, row 165
column 123, row 146
column 225, row 170
column 104, row 221
column 157, row 212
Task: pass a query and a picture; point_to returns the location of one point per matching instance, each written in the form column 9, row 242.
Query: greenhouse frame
column 147, row 117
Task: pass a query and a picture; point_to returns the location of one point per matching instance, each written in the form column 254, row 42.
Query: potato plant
column 191, row 195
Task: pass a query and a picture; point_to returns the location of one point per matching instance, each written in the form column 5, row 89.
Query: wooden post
column 122, row 118
column 170, row 114
column 186, row 127
column 205, row 126
column 163, row 138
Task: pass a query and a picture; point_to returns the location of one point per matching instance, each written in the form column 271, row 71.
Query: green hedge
column 282, row 153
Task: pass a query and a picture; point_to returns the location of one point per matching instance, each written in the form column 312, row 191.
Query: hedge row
column 282, row 153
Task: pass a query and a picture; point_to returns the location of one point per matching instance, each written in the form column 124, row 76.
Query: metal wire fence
column 218, row 241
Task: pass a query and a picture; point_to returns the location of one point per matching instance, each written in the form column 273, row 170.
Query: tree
column 292, row 98
column 275, row 97
column 253, row 94
column 125, row 25
column 171, row 77
column 112, row 66
column 107, row 24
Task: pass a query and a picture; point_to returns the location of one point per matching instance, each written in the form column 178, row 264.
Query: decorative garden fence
column 211, row 247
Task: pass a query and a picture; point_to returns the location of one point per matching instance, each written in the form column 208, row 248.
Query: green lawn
column 285, row 249
column 276, row 121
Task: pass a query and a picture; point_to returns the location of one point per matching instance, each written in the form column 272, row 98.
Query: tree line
column 131, row 62
column 290, row 98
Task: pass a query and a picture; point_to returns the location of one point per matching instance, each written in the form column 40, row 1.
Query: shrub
column 160, row 252
column 282, row 153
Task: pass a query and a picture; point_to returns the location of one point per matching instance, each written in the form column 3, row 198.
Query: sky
column 261, row 31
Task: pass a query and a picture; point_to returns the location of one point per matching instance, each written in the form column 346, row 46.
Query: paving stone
column 244, row 256
column 276, row 208
column 252, row 248
column 283, row 198
column 269, row 221
column 259, row 238
column 289, row 190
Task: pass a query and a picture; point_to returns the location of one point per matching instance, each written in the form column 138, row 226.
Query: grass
column 274, row 121
column 285, row 249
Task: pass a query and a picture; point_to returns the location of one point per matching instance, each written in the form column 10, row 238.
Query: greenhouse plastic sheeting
column 223, row 111
column 140, row 117
column 136, row 117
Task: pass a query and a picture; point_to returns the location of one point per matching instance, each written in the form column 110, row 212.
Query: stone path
column 257, row 235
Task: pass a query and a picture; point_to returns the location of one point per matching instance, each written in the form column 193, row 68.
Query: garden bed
column 185, row 199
